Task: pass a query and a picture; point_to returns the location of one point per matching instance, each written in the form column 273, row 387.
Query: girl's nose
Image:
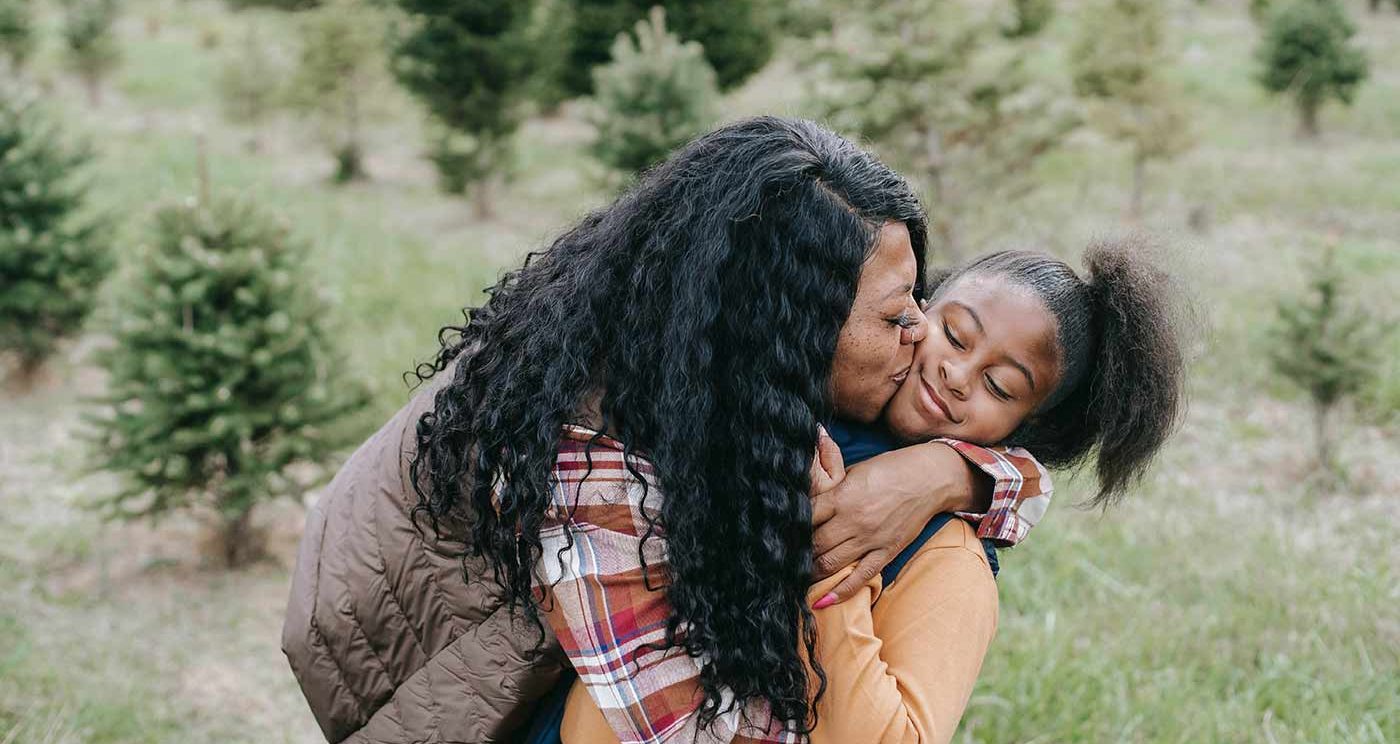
column 953, row 379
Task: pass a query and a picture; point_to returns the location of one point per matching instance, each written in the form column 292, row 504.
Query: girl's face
column 988, row 361
column 875, row 348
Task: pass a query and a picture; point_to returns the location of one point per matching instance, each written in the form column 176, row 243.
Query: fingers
column 830, row 455
column 823, row 508
column 871, row 564
column 829, row 535
column 820, row 479
column 828, row 562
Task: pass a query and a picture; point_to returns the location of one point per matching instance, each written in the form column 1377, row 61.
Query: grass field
column 1228, row 601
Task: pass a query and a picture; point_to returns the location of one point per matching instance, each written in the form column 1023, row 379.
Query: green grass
column 1228, row 601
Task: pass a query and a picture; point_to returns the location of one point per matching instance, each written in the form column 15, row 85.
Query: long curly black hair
column 697, row 317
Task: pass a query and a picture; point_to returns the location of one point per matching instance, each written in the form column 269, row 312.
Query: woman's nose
column 914, row 333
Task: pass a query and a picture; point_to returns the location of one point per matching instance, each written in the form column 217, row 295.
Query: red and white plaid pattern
column 597, row 600
column 1019, row 498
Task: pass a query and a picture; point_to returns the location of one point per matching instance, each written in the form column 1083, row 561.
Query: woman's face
column 875, row 348
column 988, row 361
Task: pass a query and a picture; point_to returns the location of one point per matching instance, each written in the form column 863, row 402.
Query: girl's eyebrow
column 971, row 312
column 1024, row 371
column 978, row 321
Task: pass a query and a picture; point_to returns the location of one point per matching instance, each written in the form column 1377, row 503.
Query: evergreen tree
column 657, row 94
column 1306, row 52
column 16, row 33
column 940, row 92
column 1119, row 61
column 223, row 375
column 340, row 70
column 469, row 63
column 249, row 82
column 803, row 19
column 737, row 35
column 1028, row 18
column 288, row 5
column 1326, row 347
column 92, row 47
column 52, row 259
column 548, row 34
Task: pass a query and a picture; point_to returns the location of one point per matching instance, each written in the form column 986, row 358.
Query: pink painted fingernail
column 825, row 602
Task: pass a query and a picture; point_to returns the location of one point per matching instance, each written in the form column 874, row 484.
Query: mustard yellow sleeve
column 901, row 669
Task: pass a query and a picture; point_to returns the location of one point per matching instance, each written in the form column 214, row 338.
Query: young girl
column 1023, row 352
column 1020, row 351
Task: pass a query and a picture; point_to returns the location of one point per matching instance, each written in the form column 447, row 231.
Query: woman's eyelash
column 996, row 389
column 903, row 320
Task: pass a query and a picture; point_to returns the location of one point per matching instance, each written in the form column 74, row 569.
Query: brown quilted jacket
column 388, row 641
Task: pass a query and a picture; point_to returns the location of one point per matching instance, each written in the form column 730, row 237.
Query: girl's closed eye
column 997, row 390
column 952, row 339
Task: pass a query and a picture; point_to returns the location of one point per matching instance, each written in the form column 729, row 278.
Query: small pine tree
column 338, row 74
column 52, row 259
column 1326, row 347
column 248, row 83
column 940, row 92
column 1306, row 52
column 223, row 375
column 287, row 5
column 803, row 19
column 656, row 95
column 476, row 106
column 92, row 47
column 549, row 33
column 16, row 32
column 1118, row 63
column 1028, row 18
column 738, row 36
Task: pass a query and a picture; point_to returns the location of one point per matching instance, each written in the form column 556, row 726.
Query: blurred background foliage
column 227, row 229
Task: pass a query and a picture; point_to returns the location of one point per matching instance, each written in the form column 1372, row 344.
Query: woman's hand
column 828, row 467
column 873, row 512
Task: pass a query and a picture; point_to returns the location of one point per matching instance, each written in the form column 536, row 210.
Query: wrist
column 955, row 484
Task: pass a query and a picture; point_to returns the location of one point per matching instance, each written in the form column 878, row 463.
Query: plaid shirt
column 596, row 599
column 1020, row 496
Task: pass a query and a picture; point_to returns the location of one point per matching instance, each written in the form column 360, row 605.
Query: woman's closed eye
column 905, row 319
column 996, row 390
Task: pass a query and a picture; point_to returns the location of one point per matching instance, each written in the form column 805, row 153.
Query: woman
column 761, row 280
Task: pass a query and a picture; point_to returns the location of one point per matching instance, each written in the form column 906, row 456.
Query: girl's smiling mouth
column 933, row 402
